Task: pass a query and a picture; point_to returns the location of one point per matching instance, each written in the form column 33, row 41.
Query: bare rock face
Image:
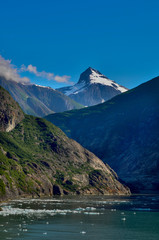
column 10, row 112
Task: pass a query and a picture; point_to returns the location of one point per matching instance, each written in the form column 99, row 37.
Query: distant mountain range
column 124, row 132
column 37, row 159
column 92, row 88
column 37, row 100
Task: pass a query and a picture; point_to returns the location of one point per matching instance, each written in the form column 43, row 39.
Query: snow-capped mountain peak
column 92, row 76
column 93, row 84
column 85, row 76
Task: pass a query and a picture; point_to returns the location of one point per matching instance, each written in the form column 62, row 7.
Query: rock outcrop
column 10, row 112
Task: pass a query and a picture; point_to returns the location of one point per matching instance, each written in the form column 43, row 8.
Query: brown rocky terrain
column 10, row 112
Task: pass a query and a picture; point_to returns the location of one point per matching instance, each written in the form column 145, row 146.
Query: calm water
column 88, row 218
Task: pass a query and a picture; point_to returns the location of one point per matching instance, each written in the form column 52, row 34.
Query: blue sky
column 120, row 38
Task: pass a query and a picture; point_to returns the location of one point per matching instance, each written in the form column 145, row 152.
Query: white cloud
column 10, row 72
column 64, row 78
column 49, row 76
column 31, row 69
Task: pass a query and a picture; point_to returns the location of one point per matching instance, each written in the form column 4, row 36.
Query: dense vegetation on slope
column 124, row 132
column 37, row 158
column 38, row 101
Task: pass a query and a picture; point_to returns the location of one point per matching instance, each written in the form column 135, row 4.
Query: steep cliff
column 10, row 112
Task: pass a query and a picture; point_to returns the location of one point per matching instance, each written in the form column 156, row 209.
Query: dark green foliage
column 59, row 177
column 76, row 170
column 2, row 187
column 23, row 150
column 33, row 146
column 66, row 184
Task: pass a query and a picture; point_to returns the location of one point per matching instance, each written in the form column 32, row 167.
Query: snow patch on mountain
column 96, row 78
column 43, row 86
column 75, row 89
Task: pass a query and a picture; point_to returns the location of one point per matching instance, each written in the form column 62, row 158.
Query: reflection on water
column 105, row 217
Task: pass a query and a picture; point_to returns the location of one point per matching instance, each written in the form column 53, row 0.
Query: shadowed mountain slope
column 124, row 132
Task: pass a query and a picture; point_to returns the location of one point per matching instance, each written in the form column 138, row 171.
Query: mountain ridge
column 122, row 131
column 38, row 100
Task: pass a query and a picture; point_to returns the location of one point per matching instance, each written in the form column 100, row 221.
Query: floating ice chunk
column 83, row 232
column 90, row 208
column 113, row 210
column 19, row 211
column 92, row 213
column 80, row 209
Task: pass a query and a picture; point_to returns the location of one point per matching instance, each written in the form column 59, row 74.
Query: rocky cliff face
column 124, row 132
column 10, row 112
column 37, row 159
column 93, row 88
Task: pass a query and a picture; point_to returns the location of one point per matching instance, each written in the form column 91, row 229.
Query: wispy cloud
column 10, row 72
column 47, row 75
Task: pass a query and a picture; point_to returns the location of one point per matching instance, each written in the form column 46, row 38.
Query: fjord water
column 81, row 218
